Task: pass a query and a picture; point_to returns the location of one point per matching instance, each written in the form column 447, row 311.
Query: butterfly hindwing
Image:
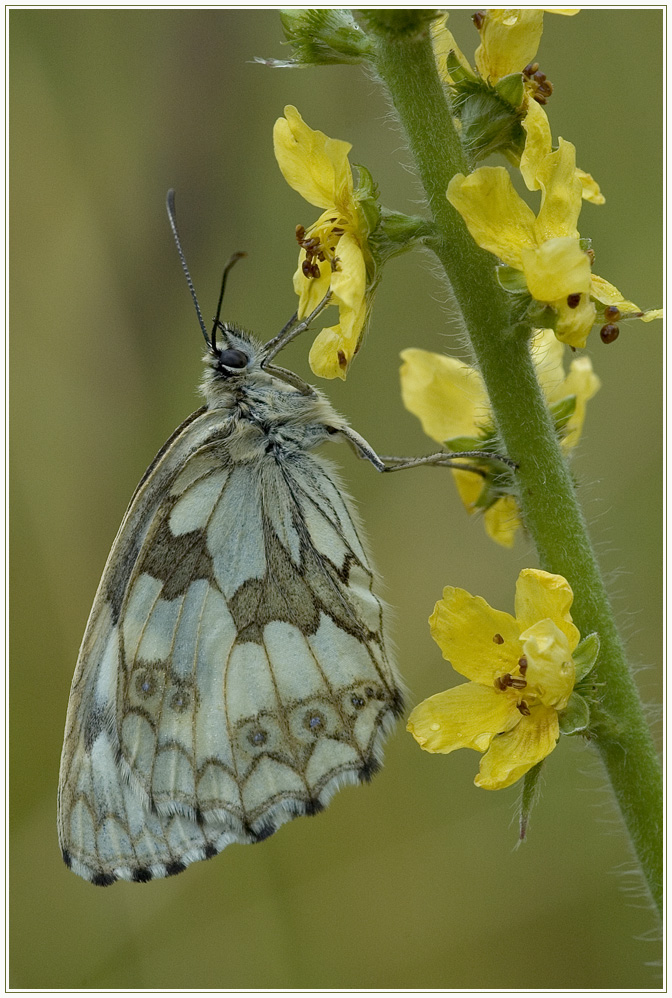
column 233, row 674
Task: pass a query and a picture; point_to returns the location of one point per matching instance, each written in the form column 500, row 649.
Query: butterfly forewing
column 233, row 673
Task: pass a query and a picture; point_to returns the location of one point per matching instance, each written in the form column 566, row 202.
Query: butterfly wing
column 233, row 674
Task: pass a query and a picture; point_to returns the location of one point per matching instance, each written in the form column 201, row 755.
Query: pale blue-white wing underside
column 233, row 674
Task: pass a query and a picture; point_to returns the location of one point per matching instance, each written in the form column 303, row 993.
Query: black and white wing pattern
column 233, row 674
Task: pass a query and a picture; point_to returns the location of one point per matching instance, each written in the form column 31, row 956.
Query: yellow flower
column 521, row 674
column 334, row 253
column 546, row 247
column 450, row 400
column 510, row 38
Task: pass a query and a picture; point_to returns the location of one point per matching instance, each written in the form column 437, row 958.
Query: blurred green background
column 412, row 882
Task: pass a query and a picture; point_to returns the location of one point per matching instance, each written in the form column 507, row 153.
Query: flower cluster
column 343, row 252
column 334, row 254
column 501, row 108
column 522, row 672
column 450, row 400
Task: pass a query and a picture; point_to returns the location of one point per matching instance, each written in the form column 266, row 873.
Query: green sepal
column 585, row 655
column 465, row 443
column 576, row 715
column 366, row 197
column 541, row 316
column 489, row 122
column 585, row 243
column 457, row 71
column 511, row 89
column 528, row 798
column 396, row 233
column 321, row 37
column 367, row 188
column 511, row 280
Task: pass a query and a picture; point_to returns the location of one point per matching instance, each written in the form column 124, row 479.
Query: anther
column 507, row 681
column 498, row 639
column 609, row 333
column 523, row 708
column 574, row 300
column 522, row 665
column 612, row 314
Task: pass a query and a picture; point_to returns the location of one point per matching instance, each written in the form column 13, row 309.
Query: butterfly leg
column 289, row 332
column 443, row 459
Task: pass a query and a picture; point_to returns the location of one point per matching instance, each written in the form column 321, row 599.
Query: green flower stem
column 548, row 501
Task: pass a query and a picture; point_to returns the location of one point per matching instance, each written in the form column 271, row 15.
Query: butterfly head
column 234, row 355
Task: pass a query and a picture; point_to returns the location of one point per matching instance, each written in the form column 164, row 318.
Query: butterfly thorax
column 268, row 415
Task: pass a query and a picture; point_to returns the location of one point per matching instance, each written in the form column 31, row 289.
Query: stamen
column 523, row 708
column 498, row 639
column 574, row 300
column 542, row 86
column 522, row 665
column 319, row 247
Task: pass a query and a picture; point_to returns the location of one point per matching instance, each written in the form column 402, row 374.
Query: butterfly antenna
column 234, row 259
column 170, row 206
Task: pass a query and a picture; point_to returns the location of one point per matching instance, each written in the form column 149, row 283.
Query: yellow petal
column 590, row 189
column 469, row 487
column 547, row 354
column 607, row 294
column 550, row 671
column 468, row 716
column 538, row 143
column 509, row 41
column 561, row 197
column 327, row 358
column 573, row 325
column 348, row 281
column 312, row 163
column 582, row 383
column 512, row 754
column 332, row 352
column 447, row 396
column 495, row 214
column 479, row 642
column 502, row 520
column 556, row 269
column 540, row 595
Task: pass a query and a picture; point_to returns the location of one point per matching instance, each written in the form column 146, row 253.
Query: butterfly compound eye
column 233, row 358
